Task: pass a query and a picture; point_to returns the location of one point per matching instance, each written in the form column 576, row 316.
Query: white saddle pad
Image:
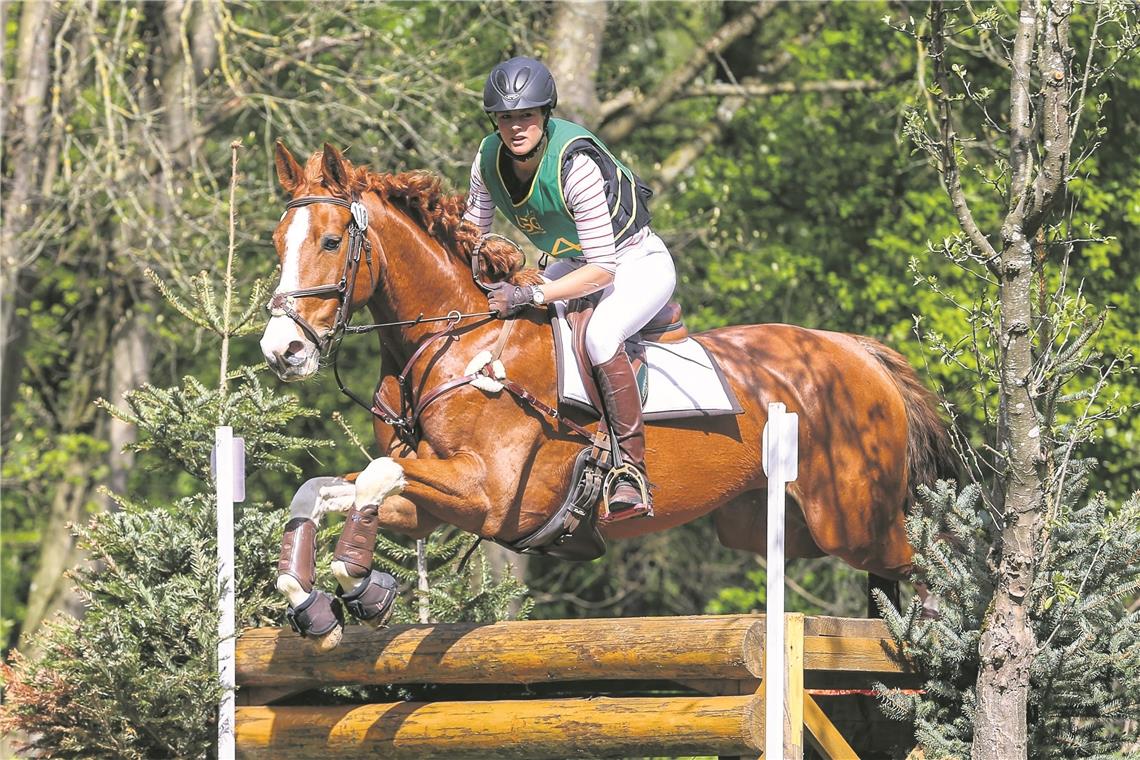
column 684, row 380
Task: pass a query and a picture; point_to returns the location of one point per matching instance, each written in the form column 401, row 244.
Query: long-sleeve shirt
column 585, row 197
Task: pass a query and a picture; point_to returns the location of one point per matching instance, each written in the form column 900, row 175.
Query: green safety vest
column 542, row 214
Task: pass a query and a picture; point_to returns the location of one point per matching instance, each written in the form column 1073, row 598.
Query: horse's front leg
column 314, row 613
column 368, row 593
column 460, row 490
column 311, row 612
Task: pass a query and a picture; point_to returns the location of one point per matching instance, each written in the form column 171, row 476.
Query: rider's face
column 520, row 130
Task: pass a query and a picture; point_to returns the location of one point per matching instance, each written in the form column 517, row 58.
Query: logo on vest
column 529, row 224
column 563, row 246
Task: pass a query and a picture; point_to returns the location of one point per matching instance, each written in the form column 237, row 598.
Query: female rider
column 562, row 187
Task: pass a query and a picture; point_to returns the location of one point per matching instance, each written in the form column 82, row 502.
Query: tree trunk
column 23, row 124
column 130, row 368
column 648, row 105
column 1008, row 642
column 575, row 52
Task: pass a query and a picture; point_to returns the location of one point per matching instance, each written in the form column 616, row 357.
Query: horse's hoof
column 373, row 598
column 329, row 641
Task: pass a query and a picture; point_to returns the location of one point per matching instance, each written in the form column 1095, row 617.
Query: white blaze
column 282, row 330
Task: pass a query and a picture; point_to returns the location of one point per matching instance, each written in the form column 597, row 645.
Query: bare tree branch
column 755, row 89
column 684, row 157
column 949, row 143
column 677, row 80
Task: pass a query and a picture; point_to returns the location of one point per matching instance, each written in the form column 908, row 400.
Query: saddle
column 667, row 326
column 572, row 531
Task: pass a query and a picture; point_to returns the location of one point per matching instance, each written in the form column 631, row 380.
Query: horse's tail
column 929, row 452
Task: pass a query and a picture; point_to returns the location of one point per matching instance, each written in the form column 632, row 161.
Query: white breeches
column 643, row 284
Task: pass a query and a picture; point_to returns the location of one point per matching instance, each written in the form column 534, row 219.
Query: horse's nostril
column 294, row 347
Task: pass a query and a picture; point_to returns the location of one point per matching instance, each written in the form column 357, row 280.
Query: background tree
column 1012, row 159
column 786, row 191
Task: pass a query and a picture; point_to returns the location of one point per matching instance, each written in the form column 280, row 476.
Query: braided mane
column 421, row 196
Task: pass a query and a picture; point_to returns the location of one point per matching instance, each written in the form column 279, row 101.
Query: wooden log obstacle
column 632, row 669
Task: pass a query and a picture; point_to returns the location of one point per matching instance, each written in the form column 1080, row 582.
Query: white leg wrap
column 319, row 495
column 382, row 478
column 292, row 590
column 346, row 580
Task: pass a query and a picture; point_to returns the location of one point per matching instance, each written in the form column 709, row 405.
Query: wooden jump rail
column 721, row 655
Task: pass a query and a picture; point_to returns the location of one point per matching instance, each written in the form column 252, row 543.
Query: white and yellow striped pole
column 781, row 465
column 229, row 483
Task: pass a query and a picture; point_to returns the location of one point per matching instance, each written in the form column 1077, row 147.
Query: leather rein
column 405, row 421
column 565, row 521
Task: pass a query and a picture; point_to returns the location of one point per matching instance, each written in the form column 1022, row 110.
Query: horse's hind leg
column 742, row 523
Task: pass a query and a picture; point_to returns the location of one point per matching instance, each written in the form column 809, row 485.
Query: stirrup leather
column 632, row 473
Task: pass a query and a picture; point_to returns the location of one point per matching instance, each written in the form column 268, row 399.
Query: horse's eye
column 330, row 243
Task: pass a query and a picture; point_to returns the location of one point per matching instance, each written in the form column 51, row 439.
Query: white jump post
column 781, row 465
column 229, row 482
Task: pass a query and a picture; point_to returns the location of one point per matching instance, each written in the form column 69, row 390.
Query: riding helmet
column 517, row 84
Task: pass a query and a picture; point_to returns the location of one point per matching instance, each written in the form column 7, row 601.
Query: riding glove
column 506, row 299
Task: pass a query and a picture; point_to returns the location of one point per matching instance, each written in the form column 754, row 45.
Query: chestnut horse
column 498, row 468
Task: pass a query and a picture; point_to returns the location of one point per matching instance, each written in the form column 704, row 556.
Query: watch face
column 538, row 296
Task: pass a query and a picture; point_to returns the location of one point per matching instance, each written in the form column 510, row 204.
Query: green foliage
column 136, row 675
column 177, row 423
column 1084, row 692
column 471, row 595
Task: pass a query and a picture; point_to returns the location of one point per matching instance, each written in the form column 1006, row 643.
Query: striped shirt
column 585, row 198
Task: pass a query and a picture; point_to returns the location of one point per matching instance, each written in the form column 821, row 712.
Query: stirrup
column 631, row 473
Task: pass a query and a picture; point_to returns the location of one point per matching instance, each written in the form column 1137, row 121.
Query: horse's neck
column 420, row 278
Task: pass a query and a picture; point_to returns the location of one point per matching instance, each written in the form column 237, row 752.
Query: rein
column 283, row 304
column 405, row 421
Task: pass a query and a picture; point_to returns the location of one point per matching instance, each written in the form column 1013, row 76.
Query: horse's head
column 328, row 265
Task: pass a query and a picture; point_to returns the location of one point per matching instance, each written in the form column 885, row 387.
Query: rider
column 562, row 187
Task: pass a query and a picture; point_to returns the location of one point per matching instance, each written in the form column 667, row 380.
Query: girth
column 572, row 531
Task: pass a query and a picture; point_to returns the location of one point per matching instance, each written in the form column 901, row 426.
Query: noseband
column 284, row 304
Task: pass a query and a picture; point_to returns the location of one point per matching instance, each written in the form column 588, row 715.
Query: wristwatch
column 537, row 297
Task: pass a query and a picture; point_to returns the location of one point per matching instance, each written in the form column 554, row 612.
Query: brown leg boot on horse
column 622, row 399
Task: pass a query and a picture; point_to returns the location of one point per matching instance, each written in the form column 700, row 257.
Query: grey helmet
column 519, row 83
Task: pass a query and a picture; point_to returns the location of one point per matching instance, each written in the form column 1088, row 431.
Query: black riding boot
column 622, row 400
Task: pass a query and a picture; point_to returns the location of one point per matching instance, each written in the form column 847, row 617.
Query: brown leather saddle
column 667, row 326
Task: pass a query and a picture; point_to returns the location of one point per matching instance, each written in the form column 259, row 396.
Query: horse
column 497, row 467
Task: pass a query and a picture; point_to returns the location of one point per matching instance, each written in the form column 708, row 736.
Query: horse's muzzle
column 291, row 360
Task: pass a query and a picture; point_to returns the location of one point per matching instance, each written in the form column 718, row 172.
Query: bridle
column 405, row 421
column 284, row 303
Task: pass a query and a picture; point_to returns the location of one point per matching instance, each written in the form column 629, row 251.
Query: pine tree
column 1085, row 695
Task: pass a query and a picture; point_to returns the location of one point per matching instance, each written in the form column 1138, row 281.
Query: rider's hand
column 506, row 299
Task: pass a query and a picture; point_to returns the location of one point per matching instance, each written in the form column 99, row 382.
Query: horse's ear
column 289, row 172
column 335, row 169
